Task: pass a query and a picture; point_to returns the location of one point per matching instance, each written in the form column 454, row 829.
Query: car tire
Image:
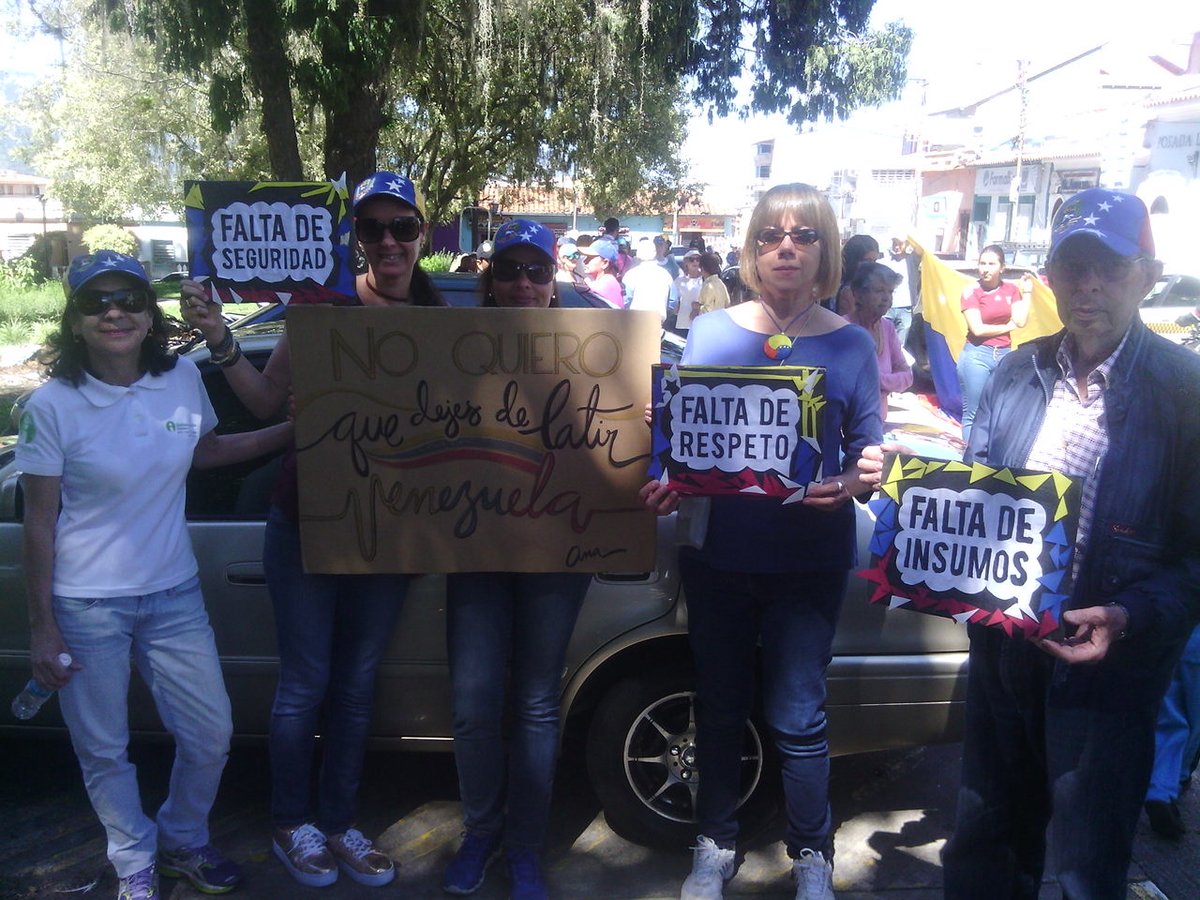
column 641, row 759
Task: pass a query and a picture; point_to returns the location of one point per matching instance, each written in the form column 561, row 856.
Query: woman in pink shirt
column 871, row 287
column 600, row 270
column 993, row 309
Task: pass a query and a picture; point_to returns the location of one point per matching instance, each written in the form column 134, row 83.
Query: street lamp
column 45, row 240
column 493, row 209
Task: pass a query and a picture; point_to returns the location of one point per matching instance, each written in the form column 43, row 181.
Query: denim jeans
column 794, row 616
column 975, row 367
column 332, row 631
column 509, row 624
column 1177, row 736
column 168, row 635
column 1045, row 750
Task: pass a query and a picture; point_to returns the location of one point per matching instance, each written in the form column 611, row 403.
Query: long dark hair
column 65, row 355
column 857, row 246
column 422, row 291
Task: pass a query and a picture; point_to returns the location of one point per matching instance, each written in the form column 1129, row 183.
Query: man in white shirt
column 688, row 284
column 647, row 284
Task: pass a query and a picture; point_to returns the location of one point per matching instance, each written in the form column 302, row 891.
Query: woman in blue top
column 507, row 633
column 771, row 573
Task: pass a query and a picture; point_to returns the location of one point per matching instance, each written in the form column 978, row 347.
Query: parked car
column 896, row 679
column 1172, row 308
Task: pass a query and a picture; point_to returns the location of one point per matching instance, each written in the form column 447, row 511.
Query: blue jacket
column 1144, row 546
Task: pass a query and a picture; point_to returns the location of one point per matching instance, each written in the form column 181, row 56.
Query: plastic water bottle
column 26, row 704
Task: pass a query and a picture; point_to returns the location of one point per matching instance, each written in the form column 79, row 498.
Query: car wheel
column 642, row 761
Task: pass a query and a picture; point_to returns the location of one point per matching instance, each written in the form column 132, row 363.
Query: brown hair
column 805, row 204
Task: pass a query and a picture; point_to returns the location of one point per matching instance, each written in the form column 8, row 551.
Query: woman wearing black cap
column 105, row 447
column 332, row 629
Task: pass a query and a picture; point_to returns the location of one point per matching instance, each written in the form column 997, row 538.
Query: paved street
column 893, row 809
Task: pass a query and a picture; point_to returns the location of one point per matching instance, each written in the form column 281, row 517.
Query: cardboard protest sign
column 266, row 241
column 452, row 440
column 974, row 543
column 737, row 430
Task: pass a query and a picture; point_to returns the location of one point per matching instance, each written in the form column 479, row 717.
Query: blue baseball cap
column 389, row 184
column 1117, row 219
column 601, row 247
column 92, row 265
column 524, row 233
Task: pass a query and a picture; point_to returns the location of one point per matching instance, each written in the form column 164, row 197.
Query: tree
column 110, row 237
column 118, row 135
column 542, row 83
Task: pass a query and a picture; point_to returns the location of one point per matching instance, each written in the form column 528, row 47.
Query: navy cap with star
column 1118, row 219
column 92, row 265
column 524, row 233
column 389, row 184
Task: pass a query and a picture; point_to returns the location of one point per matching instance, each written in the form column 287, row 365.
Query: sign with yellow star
column 974, row 543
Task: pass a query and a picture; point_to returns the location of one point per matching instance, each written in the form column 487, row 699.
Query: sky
column 960, row 55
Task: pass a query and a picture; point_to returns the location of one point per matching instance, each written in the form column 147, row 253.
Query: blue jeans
column 1177, row 737
column 168, row 635
column 975, row 367
column 1045, row 750
column 794, row 615
column 500, row 624
column 332, row 631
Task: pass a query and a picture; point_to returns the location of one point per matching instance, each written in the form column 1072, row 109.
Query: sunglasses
column 94, row 302
column 401, row 228
column 770, row 238
column 510, row 270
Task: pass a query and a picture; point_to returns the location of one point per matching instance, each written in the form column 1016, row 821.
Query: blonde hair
column 805, row 204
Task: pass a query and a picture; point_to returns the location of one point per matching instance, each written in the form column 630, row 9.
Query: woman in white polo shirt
column 108, row 440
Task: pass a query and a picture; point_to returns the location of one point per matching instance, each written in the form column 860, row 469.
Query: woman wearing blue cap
column 602, row 268
column 105, row 447
column 332, row 629
column 509, row 628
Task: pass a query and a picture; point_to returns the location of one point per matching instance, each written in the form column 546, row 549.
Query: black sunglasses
column 401, row 228
column 769, row 238
column 510, row 270
column 95, row 302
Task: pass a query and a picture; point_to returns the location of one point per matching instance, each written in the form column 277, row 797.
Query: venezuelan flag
column 946, row 329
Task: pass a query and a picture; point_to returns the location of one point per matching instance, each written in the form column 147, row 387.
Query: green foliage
column 118, row 134
column 28, row 312
column 456, row 93
column 110, row 237
column 437, row 262
column 19, row 275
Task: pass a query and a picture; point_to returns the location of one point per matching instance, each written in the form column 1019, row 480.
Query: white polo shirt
column 123, row 454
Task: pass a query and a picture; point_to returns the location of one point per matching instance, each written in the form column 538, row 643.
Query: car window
column 1174, row 290
column 242, row 490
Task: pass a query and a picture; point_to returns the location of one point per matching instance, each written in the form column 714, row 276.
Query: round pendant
column 778, row 346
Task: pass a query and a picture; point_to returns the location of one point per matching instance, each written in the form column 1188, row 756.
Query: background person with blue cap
column 509, row 629
column 1060, row 733
column 105, row 447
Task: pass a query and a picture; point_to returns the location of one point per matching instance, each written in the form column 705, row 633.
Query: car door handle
column 246, row 574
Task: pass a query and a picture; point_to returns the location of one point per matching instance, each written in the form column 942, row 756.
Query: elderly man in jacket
column 1060, row 734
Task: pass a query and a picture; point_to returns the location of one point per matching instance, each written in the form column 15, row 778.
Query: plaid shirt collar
column 1099, row 375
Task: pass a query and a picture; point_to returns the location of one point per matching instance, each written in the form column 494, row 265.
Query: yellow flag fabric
column 946, row 330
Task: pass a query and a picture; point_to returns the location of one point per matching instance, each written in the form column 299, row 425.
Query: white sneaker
column 712, row 866
column 813, row 875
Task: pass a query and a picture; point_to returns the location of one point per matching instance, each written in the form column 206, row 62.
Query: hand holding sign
column 735, row 430
column 974, row 543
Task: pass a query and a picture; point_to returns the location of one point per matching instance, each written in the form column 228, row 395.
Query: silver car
column 896, row 680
